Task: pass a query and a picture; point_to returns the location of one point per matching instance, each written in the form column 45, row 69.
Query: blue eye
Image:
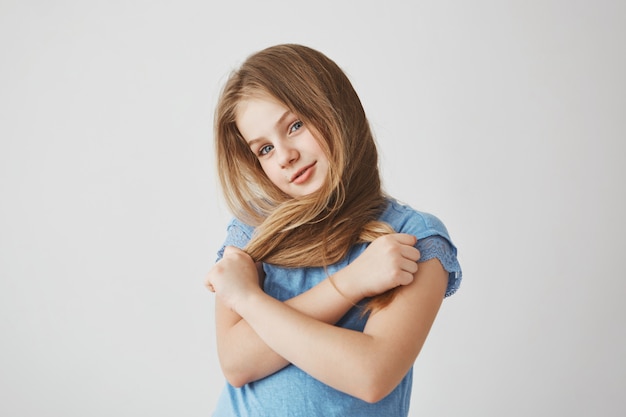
column 265, row 149
column 297, row 125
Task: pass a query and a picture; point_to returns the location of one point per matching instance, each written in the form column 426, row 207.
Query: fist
column 388, row 262
column 233, row 277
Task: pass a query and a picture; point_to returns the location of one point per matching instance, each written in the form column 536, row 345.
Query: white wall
column 506, row 119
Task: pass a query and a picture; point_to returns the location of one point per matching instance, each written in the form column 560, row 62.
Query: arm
column 244, row 357
column 388, row 262
column 366, row 365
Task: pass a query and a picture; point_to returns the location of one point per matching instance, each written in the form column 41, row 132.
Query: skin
column 386, row 263
column 258, row 335
column 289, row 154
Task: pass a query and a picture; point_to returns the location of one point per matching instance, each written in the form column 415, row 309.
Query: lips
column 302, row 175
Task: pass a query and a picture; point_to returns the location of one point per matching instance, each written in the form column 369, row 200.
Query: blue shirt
column 291, row 391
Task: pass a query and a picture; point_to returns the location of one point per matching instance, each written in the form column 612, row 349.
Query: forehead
column 257, row 116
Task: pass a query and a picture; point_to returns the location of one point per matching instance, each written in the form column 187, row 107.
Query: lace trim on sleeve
column 235, row 237
column 439, row 247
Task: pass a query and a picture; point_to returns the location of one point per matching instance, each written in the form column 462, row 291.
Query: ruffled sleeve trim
column 237, row 234
column 436, row 246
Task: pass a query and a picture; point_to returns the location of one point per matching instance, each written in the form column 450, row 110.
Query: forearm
column 330, row 354
column 366, row 365
column 245, row 357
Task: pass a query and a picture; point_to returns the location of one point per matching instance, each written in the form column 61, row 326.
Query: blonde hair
column 317, row 229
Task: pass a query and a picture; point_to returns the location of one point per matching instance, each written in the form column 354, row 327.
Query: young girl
column 325, row 287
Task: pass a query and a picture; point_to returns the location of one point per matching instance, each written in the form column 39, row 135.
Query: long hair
column 317, row 229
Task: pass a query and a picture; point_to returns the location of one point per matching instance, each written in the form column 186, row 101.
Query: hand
column 234, row 277
column 389, row 261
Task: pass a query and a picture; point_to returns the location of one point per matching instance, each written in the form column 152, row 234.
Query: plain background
column 507, row 119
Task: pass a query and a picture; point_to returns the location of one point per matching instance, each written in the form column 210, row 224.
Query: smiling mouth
column 300, row 173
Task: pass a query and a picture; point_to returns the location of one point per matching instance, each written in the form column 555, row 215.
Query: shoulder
column 405, row 219
column 238, row 234
column 433, row 239
column 237, row 226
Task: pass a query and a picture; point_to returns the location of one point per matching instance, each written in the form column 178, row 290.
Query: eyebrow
column 278, row 123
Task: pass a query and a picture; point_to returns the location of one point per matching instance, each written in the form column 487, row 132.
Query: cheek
column 270, row 173
column 317, row 148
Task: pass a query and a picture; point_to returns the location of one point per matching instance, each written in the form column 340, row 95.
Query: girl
column 321, row 304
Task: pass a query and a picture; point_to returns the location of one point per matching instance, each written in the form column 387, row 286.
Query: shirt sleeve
column 237, row 234
column 436, row 246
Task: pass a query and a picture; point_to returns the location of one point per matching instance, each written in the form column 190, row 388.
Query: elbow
column 235, row 383
column 374, row 395
column 377, row 380
column 236, row 377
column 234, row 371
column 374, row 389
column 237, row 380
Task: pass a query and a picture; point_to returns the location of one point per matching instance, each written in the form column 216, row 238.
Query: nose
column 287, row 156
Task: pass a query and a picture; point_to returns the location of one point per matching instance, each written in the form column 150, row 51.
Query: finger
column 409, row 266
column 405, row 278
column 411, row 252
column 207, row 282
column 233, row 251
column 229, row 250
column 405, row 238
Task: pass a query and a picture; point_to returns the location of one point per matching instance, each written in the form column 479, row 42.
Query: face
column 289, row 154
